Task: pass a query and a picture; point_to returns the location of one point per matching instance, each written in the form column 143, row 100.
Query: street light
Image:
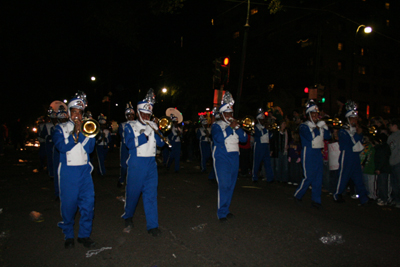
column 367, row 30
column 164, row 90
column 93, row 78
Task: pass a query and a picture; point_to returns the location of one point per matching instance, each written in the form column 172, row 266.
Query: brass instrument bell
column 164, row 124
column 248, row 123
column 90, row 128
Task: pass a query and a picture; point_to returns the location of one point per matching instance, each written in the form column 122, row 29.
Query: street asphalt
column 270, row 229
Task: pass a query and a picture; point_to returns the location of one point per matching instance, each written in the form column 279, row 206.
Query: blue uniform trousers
column 56, row 162
column 142, row 179
column 312, row 174
column 124, row 155
column 205, row 153
column 76, row 191
column 165, row 155
column 175, row 155
column 101, row 156
column 262, row 155
column 226, row 170
column 350, row 168
column 49, row 154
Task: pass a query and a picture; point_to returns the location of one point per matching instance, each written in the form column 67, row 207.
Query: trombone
column 247, row 123
column 160, row 135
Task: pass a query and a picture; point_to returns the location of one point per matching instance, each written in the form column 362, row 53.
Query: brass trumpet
column 90, row 128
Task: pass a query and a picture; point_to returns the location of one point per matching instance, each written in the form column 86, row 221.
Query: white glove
column 322, row 124
column 148, row 130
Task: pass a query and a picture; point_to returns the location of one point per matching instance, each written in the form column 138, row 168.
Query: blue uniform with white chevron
column 56, row 162
column 46, row 134
column 42, row 147
column 142, row 171
column 75, row 180
column 261, row 152
column 103, row 139
column 349, row 164
column 175, row 153
column 311, row 158
column 204, row 146
column 225, row 155
column 123, row 154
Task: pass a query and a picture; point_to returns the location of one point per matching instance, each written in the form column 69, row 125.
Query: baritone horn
column 90, row 128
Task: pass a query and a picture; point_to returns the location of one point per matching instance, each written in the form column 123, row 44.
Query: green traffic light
column 323, row 100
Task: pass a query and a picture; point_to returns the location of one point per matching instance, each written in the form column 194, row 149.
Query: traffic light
column 306, row 90
column 320, row 94
column 217, row 73
column 226, row 62
column 225, row 69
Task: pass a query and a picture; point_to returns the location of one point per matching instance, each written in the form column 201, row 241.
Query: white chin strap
column 312, row 122
column 228, row 122
column 142, row 120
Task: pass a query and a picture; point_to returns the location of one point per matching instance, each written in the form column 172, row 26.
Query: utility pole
column 241, row 74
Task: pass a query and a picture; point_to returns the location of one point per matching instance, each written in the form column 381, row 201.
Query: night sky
column 50, row 49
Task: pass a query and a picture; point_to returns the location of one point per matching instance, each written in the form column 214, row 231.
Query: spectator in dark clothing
column 3, row 137
column 294, row 153
column 18, row 135
column 382, row 169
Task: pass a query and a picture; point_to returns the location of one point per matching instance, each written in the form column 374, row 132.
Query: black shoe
column 128, row 225
column 154, row 232
column 222, row 220
column 69, row 243
column 339, row 199
column 365, row 204
column 316, row 205
column 230, row 216
column 270, row 182
column 128, row 222
column 87, row 242
column 255, row 181
column 297, row 201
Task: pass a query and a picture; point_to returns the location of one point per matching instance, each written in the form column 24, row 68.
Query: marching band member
column 350, row 144
column 74, row 170
column 62, row 116
column 141, row 140
column 216, row 117
column 226, row 137
column 175, row 139
column 203, row 135
column 42, row 141
column 46, row 133
column 124, row 151
column 262, row 153
column 103, row 139
column 312, row 135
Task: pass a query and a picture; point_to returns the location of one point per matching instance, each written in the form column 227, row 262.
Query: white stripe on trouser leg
column 254, row 161
column 304, row 171
column 340, row 176
column 216, row 175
